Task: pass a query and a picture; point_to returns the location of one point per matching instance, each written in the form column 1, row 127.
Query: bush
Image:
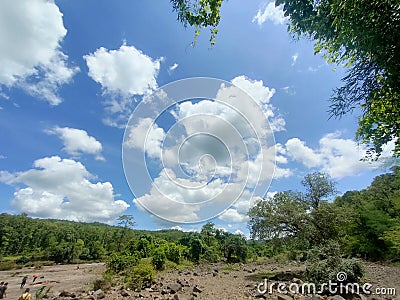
column 158, row 259
column 119, row 262
column 103, row 284
column 174, row 252
column 142, row 276
column 325, row 262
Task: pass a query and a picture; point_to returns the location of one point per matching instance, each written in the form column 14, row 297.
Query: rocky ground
column 208, row 282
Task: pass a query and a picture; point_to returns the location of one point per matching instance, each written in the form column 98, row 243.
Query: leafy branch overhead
column 199, row 14
column 361, row 35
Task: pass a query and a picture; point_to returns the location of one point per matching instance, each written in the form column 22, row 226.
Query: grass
column 231, row 267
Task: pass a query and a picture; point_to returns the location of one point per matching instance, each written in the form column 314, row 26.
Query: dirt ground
column 214, row 281
column 58, row 277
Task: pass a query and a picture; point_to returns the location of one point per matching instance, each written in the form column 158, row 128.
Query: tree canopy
column 361, row 35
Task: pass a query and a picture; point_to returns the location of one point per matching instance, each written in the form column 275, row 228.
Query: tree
column 363, row 36
column 235, row 248
column 318, row 186
column 284, row 214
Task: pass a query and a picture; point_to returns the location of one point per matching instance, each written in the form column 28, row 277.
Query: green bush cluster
column 324, row 263
column 141, row 276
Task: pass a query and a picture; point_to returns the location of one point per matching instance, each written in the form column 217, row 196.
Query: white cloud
column 123, row 74
column 30, row 53
column 336, row 156
column 77, row 142
column 61, row 188
column 298, row 151
column 294, row 58
column 172, row 68
column 147, row 137
column 262, row 95
column 126, row 71
column 232, row 215
column 214, row 157
column 270, row 13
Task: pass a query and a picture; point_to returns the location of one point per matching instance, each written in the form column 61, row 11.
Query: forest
column 289, row 226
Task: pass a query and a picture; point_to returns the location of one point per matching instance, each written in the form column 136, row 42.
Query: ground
column 212, row 281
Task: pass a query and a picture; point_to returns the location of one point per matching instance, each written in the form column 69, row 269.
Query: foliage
column 325, row 262
column 318, row 186
column 200, row 14
column 158, row 259
column 372, row 233
column 284, row 214
column 119, row 262
column 361, row 35
column 141, row 276
column 235, row 248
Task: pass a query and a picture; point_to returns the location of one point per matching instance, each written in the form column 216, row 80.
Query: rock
column 196, row 289
column 174, row 287
column 99, row 294
column 317, row 297
column 336, row 297
column 284, row 297
column 67, row 294
column 176, row 297
column 124, row 293
column 297, row 280
column 260, row 295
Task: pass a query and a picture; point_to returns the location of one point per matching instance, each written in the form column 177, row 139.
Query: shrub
column 142, row 276
column 103, row 284
column 158, row 259
column 118, row 262
column 325, row 262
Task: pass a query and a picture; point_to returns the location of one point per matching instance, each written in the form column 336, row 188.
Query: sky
column 106, row 109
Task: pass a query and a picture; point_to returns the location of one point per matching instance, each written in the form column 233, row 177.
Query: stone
column 99, row 294
column 67, row 294
column 174, row 287
column 196, row 289
column 124, row 293
column 284, row 297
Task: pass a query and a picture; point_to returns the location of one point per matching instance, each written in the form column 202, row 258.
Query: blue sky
column 73, row 72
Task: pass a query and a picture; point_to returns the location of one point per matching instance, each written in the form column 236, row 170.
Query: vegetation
column 329, row 235
column 361, row 35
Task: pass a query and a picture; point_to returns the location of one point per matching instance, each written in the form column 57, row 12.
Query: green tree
column 235, row 248
column 284, row 214
column 361, row 35
column 319, row 186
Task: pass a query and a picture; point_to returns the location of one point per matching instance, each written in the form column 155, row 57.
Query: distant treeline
column 361, row 224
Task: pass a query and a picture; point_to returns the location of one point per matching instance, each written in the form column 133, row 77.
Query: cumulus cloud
column 215, row 157
column 262, row 95
column 62, row 189
column 126, row 70
column 123, row 74
column 146, row 136
column 30, row 53
column 270, row 13
column 77, row 142
column 334, row 155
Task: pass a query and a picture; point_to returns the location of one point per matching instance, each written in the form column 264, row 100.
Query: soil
column 212, row 281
